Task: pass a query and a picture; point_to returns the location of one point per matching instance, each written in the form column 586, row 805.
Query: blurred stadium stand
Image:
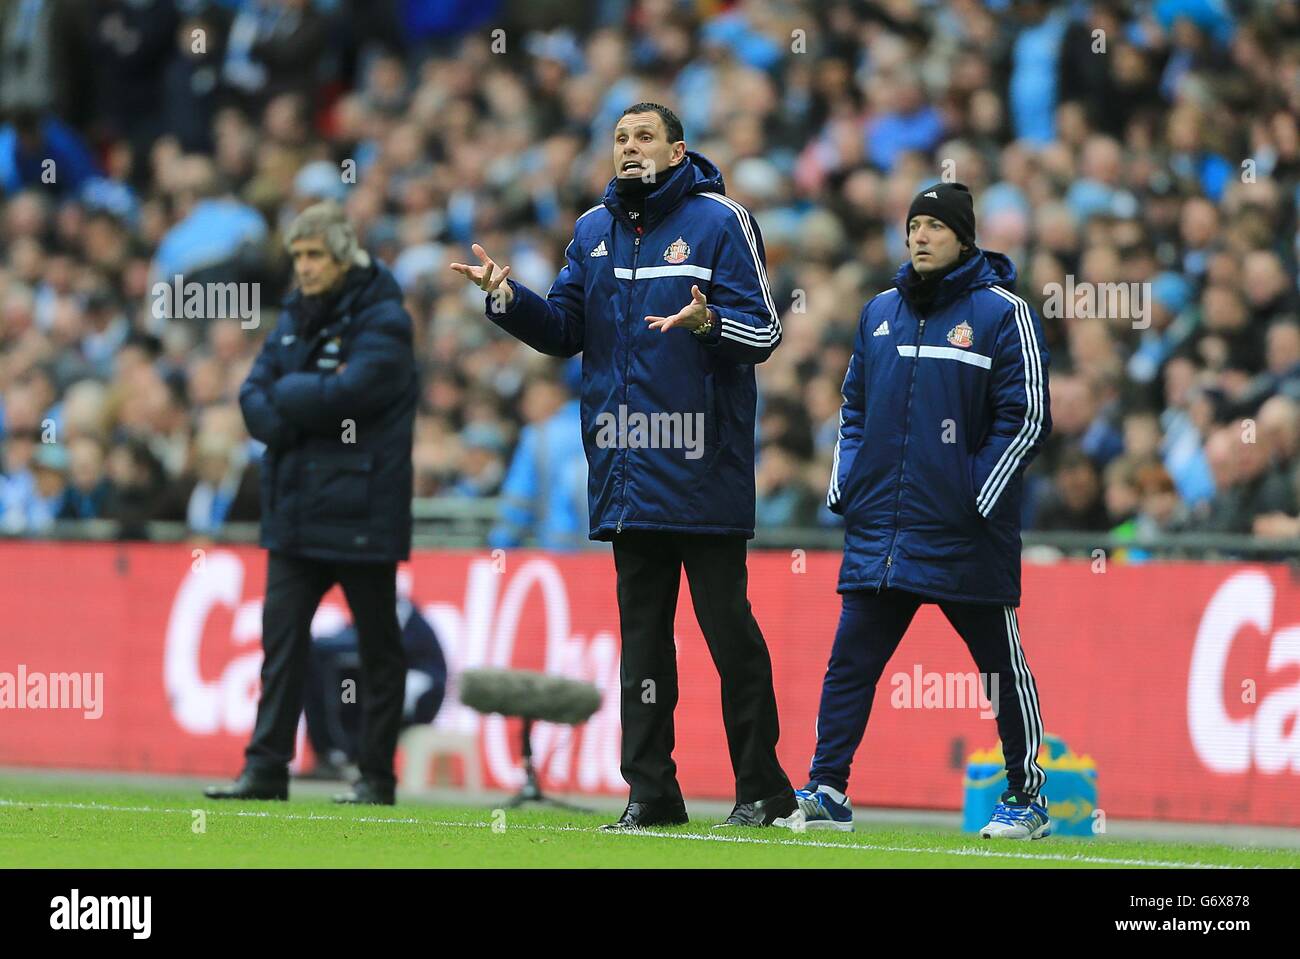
column 185, row 133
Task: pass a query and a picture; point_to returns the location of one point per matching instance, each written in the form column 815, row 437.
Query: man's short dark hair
column 671, row 122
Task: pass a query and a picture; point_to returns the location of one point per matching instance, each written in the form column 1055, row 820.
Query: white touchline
column 650, row 834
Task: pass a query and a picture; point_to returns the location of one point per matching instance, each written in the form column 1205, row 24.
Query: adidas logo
column 932, row 195
column 882, row 329
column 600, row 250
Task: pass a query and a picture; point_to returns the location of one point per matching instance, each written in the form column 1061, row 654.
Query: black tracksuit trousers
column 294, row 587
column 871, row 626
column 649, row 566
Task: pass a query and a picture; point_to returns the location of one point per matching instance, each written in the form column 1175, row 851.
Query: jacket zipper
column 343, row 308
column 300, row 466
column 902, row 456
column 627, row 366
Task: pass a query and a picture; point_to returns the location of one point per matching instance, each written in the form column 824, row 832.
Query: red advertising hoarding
column 1182, row 680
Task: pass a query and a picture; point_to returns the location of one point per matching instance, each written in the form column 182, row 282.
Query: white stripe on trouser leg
column 1035, row 716
column 1027, row 695
column 1033, row 698
column 1020, row 690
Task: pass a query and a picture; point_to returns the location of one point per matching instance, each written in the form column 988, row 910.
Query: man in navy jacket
column 945, row 404
column 332, row 394
column 665, row 294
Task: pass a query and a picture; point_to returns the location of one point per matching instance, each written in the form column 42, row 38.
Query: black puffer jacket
column 337, row 476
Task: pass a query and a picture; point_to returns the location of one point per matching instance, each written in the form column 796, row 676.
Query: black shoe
column 367, row 793
column 762, row 812
column 251, row 786
column 643, row 815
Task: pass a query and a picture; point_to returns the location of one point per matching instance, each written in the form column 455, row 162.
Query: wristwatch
column 707, row 326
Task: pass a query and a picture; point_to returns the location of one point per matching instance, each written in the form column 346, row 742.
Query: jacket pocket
column 854, row 484
column 337, row 485
column 710, row 412
column 972, row 492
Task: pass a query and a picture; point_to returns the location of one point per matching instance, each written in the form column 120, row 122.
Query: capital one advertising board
column 1181, row 680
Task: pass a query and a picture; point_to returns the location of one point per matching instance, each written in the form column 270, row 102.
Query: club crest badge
column 677, row 251
column 961, row 335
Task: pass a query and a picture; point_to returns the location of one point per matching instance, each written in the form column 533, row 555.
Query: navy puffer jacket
column 695, row 392
column 337, row 478
column 942, row 412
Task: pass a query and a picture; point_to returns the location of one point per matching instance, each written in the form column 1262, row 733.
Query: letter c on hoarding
column 1221, row 742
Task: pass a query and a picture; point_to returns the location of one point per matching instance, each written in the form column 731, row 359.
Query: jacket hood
column 986, row 268
column 368, row 285
column 1000, row 271
column 695, row 174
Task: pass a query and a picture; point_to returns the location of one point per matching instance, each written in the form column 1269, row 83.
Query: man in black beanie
column 952, row 366
column 940, row 215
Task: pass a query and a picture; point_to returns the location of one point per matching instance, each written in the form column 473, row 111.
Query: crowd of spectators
column 1153, row 143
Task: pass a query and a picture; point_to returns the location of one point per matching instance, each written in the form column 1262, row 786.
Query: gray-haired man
column 332, row 395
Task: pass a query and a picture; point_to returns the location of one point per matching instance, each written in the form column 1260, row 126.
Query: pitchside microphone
column 533, row 697
column 529, row 695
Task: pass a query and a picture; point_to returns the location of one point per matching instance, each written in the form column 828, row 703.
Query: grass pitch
column 74, row 824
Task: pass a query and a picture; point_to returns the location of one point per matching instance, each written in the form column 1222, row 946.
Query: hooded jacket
column 667, row 418
column 337, row 477
column 943, row 410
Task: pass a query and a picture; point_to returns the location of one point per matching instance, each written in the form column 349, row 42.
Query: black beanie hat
column 951, row 203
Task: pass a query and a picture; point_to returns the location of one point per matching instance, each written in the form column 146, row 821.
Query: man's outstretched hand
column 490, row 277
column 691, row 317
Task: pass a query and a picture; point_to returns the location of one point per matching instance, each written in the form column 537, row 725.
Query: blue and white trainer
column 1019, row 820
column 819, row 807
